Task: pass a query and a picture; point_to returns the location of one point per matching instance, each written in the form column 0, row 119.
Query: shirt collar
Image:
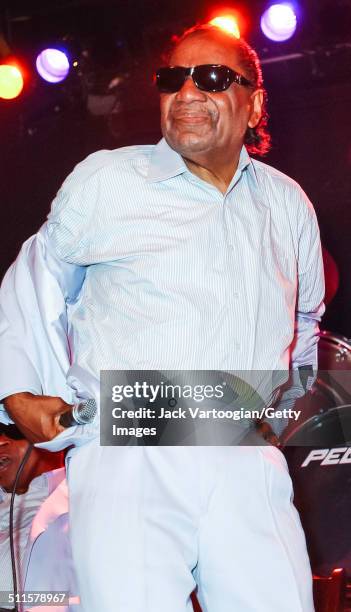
column 38, row 483
column 47, row 481
column 167, row 163
column 244, row 162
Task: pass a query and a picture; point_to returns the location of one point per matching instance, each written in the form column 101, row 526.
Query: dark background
column 50, row 128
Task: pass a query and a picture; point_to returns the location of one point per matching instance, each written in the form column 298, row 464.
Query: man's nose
column 4, row 440
column 189, row 91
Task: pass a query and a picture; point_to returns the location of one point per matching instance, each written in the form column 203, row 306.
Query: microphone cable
column 12, row 546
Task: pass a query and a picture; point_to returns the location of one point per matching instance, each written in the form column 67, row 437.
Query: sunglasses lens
column 212, row 78
column 170, row 80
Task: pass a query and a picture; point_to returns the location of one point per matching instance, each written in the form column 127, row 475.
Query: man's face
column 11, row 455
column 200, row 122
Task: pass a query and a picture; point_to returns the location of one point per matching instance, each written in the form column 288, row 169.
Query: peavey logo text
column 329, row 456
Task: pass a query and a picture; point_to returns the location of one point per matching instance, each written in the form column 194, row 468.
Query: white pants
column 148, row 524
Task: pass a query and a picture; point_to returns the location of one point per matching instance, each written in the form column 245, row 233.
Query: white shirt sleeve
column 309, row 307
column 34, row 334
column 309, row 311
column 46, row 277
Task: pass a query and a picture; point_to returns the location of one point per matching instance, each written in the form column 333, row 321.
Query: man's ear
column 256, row 113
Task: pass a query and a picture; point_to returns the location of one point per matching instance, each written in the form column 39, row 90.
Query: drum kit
column 318, row 452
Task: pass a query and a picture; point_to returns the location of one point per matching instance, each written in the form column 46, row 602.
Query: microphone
column 82, row 413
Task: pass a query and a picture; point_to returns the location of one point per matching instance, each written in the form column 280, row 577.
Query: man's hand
column 37, row 416
column 265, row 430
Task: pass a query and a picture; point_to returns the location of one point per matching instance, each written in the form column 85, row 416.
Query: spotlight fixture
column 278, row 22
column 53, row 65
column 227, row 23
column 11, row 81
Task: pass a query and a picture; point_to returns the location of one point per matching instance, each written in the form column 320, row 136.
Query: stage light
column 227, row 23
column 11, row 82
column 52, row 65
column 279, row 22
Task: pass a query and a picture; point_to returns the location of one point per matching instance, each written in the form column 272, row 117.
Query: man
column 42, row 548
column 184, row 255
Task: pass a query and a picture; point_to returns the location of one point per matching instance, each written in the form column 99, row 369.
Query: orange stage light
column 227, row 23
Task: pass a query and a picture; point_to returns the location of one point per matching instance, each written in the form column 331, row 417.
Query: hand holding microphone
column 81, row 414
column 41, row 417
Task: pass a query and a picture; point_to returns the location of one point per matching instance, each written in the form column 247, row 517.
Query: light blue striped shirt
column 143, row 265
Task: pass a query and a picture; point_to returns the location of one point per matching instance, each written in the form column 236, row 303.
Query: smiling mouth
column 191, row 118
column 4, row 463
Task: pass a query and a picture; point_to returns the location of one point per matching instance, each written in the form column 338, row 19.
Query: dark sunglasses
column 207, row 77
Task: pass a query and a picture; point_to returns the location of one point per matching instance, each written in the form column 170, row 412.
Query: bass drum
column 318, row 453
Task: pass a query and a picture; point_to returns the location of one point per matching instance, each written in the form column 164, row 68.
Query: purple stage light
column 52, row 65
column 279, row 22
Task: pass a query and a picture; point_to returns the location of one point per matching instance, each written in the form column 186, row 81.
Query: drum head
column 326, row 429
column 321, row 475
